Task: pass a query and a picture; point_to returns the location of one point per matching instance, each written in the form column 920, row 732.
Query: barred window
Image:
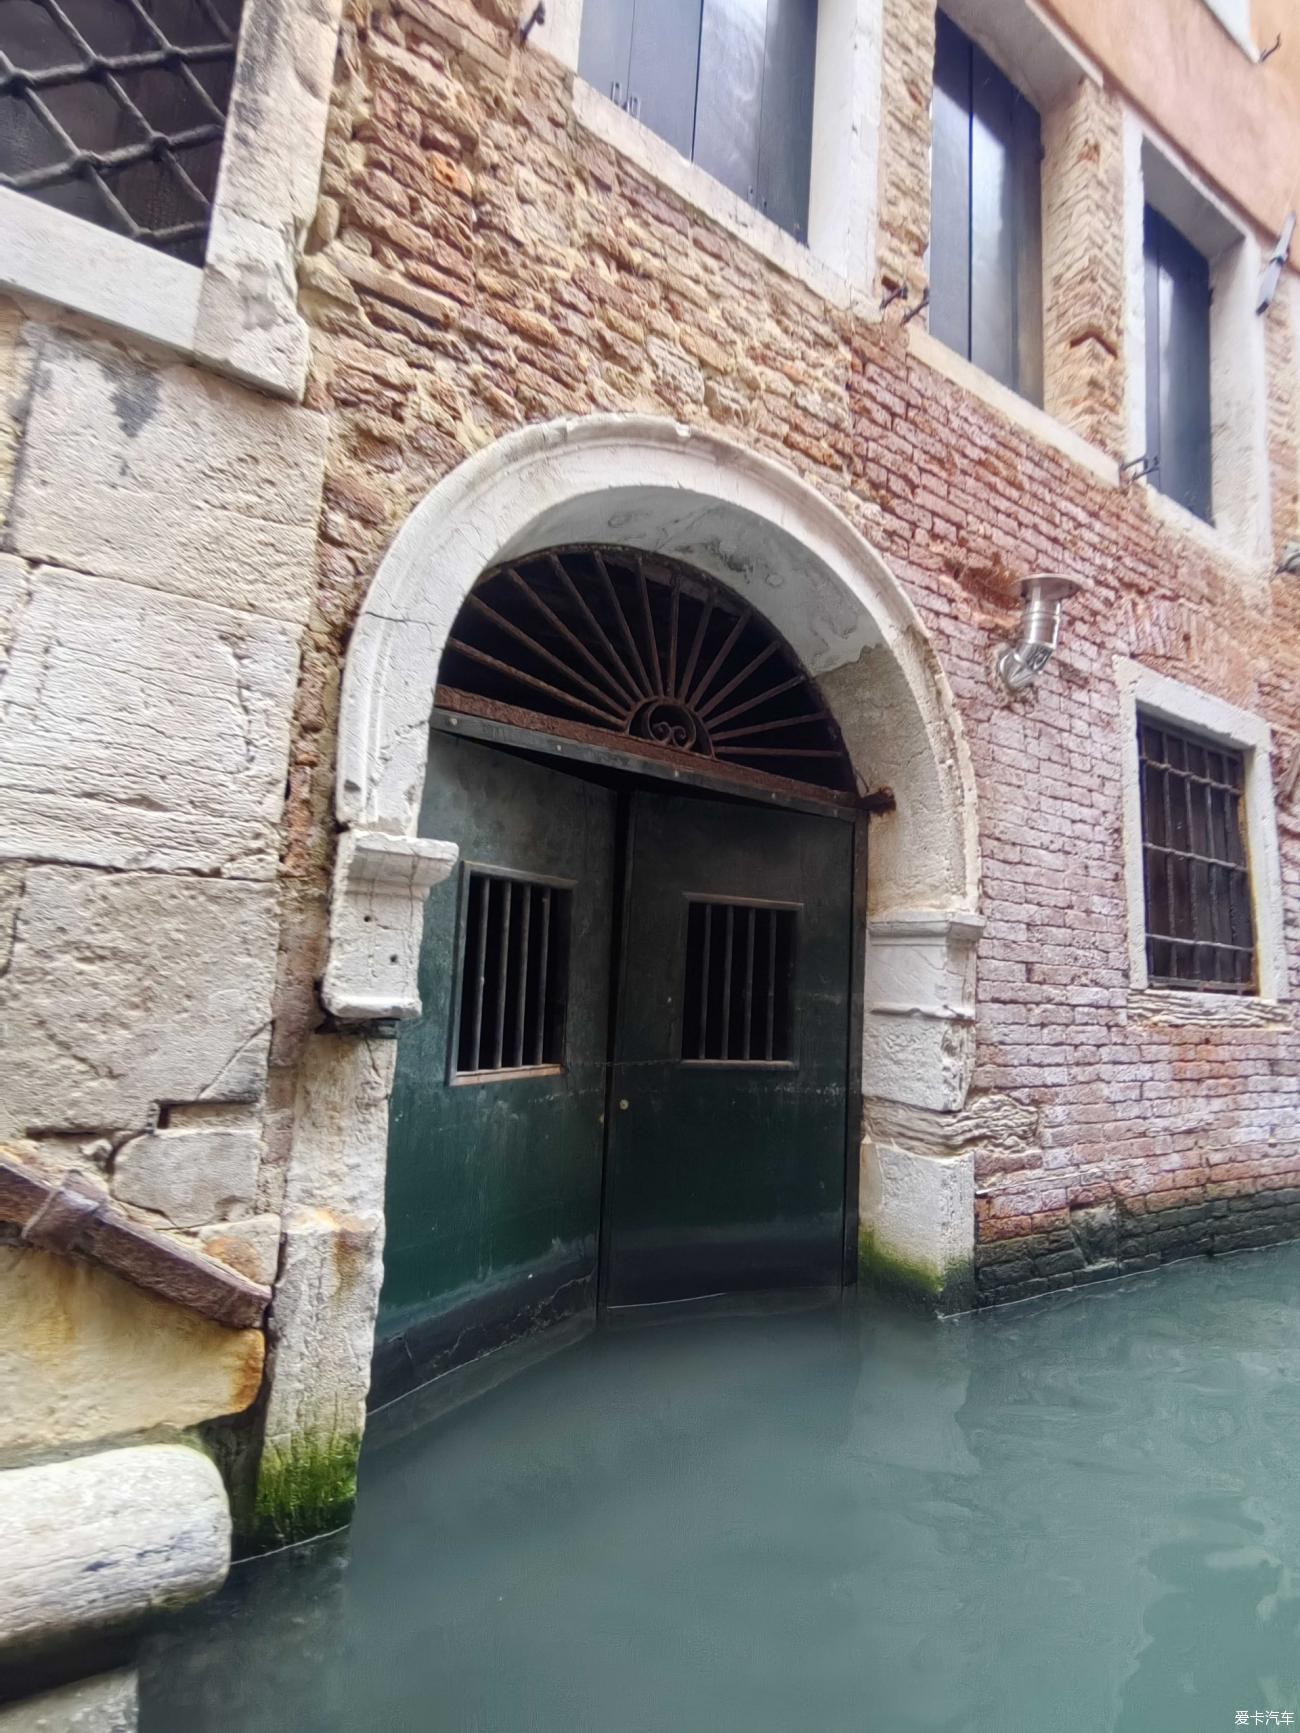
column 1199, row 926
column 115, row 111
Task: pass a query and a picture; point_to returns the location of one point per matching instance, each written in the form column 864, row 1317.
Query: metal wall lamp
column 1044, row 594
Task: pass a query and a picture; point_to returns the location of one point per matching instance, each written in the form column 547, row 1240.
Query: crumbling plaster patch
column 86, row 1356
column 140, row 730
column 167, row 477
column 130, row 989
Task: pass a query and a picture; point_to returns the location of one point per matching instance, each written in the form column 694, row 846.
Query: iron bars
column 738, row 990
column 1200, row 932
column 115, row 111
column 514, row 964
column 631, row 644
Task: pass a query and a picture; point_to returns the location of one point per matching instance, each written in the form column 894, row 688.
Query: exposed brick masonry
column 481, row 262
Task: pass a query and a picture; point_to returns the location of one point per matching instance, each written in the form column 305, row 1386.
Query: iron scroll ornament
column 611, row 641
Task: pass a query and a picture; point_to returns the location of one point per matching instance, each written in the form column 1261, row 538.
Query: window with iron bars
column 1199, row 925
column 115, row 111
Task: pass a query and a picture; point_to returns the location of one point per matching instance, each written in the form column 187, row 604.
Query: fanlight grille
column 592, row 641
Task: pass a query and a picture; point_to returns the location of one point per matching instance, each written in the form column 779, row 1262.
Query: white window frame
column 237, row 312
column 1141, row 690
column 1234, row 15
column 1239, row 468
column 838, row 260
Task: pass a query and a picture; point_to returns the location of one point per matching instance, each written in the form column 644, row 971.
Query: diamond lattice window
column 115, row 111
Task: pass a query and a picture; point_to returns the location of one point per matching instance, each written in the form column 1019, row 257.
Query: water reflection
column 1076, row 1515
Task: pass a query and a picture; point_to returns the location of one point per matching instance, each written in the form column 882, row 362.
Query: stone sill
column 1156, row 1007
column 1214, row 540
column 648, row 152
column 135, row 289
column 1028, row 417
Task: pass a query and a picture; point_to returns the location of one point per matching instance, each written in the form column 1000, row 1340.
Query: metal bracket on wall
column 920, row 307
column 535, row 17
column 899, row 292
column 1138, row 468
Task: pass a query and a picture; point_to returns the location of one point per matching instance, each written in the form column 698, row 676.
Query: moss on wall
column 942, row 1290
column 305, row 1487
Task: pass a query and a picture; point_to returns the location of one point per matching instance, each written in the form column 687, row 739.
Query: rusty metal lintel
column 617, row 747
column 74, row 1217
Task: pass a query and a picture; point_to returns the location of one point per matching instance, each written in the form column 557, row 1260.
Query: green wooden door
column 496, row 1132
column 726, row 1158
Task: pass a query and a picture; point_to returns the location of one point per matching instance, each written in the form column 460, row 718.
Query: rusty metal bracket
column 67, row 1212
column 75, row 1217
column 879, row 800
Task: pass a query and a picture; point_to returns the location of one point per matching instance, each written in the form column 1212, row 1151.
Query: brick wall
column 481, row 262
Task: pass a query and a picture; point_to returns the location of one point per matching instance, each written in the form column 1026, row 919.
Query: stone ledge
column 77, row 1217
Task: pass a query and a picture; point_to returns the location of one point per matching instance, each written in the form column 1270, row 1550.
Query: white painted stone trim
column 1036, row 54
column 1027, row 416
column 1186, row 706
column 838, row 261
column 1234, row 15
column 239, row 312
column 45, row 253
column 377, row 921
column 918, row 1034
column 101, row 1541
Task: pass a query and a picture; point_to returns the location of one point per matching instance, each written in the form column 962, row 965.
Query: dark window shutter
column 950, row 188
column 785, row 132
column 605, row 48
column 986, row 215
column 665, row 69
column 1178, row 364
column 733, row 41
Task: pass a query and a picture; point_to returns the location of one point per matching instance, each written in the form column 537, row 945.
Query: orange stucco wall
column 1236, row 120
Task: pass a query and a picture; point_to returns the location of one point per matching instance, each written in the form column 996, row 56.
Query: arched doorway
column 781, row 545
column 630, row 1083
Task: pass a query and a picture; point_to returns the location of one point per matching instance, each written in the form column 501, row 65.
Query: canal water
column 1075, row 1514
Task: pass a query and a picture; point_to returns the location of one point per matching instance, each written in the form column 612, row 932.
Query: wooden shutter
column 950, row 188
column 1178, row 364
column 733, row 42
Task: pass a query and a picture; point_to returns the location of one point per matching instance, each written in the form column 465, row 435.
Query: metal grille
column 513, row 975
column 1200, row 932
column 600, row 641
column 738, row 989
column 115, row 110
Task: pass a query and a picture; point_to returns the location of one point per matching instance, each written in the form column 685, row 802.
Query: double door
column 629, row 1084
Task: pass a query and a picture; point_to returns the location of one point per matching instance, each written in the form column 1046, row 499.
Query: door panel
column 725, row 1173
column 496, row 1133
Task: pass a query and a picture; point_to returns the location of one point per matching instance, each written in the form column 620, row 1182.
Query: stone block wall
column 157, row 528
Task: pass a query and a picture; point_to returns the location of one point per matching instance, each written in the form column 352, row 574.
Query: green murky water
column 1077, row 1514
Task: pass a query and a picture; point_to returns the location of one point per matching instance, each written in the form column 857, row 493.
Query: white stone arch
column 656, row 485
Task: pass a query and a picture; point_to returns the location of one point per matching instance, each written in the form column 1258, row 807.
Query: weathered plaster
column 85, row 1356
column 99, row 1541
